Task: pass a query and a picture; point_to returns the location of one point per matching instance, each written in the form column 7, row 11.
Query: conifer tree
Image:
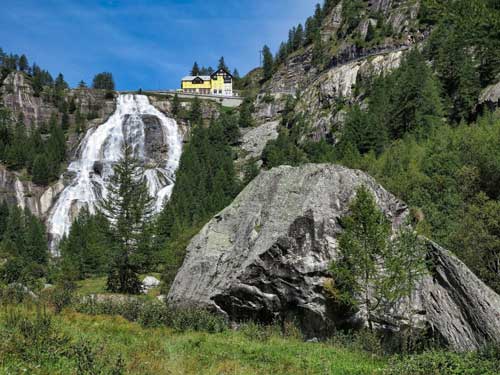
column 222, row 64
column 176, row 105
column 195, row 70
column 65, row 121
column 318, row 53
column 41, row 171
column 268, row 63
column 363, row 242
column 298, row 39
column 246, row 119
column 310, row 30
column 195, row 113
column 104, row 81
column 128, row 207
column 88, row 248
column 23, row 63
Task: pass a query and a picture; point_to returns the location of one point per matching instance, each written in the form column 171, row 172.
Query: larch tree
column 363, row 242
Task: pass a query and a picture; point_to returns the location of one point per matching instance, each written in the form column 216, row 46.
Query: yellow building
column 218, row 83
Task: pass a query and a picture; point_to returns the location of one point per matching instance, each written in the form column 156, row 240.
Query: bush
column 155, row 314
column 197, row 320
column 15, row 294
column 257, row 332
column 62, row 295
column 439, row 362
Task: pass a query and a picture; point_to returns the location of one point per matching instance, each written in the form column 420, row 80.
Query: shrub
column 155, row 314
column 440, row 362
column 256, row 332
column 197, row 320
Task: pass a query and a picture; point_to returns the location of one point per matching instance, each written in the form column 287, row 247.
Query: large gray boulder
column 266, row 258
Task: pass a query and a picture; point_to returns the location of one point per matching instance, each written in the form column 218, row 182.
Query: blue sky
column 146, row 44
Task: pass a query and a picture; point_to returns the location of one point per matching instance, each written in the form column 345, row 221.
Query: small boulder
column 149, row 283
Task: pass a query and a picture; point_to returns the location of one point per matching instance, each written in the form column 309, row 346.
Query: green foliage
column 156, row 314
column 246, row 110
column 222, row 64
column 103, row 81
column 362, row 243
column 268, row 63
column 128, row 207
column 372, row 269
column 87, row 249
column 24, row 245
column 176, row 106
column 195, row 70
column 41, row 171
column 477, row 238
column 205, row 183
column 444, row 363
column 405, row 101
column 318, row 53
column 250, row 171
column 452, row 176
column 195, row 115
column 352, row 13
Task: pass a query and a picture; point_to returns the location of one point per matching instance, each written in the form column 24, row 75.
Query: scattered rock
column 490, row 96
column 149, row 283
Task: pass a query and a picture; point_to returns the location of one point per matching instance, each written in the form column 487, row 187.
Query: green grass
column 97, row 285
column 163, row 351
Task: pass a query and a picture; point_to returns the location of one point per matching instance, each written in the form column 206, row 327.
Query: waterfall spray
column 101, row 148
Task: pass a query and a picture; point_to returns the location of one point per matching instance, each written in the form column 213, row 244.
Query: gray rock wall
column 266, row 258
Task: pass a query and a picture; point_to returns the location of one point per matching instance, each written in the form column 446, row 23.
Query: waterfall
column 102, row 146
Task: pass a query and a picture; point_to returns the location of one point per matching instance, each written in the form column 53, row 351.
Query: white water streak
column 101, row 148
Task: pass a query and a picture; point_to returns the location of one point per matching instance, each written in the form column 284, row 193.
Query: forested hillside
column 263, row 225
column 421, row 130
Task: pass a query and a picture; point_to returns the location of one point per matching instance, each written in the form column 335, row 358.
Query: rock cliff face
column 25, row 194
column 19, row 97
column 323, row 100
column 400, row 15
column 266, row 257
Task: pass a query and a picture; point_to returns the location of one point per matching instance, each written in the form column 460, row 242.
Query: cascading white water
column 101, row 148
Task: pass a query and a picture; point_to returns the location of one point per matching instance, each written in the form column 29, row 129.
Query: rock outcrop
column 254, row 140
column 18, row 95
column 25, row 194
column 490, row 96
column 266, row 257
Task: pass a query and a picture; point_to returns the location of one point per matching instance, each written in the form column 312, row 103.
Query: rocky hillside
column 351, row 56
column 266, row 257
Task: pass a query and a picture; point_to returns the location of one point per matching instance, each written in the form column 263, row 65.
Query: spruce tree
column 65, row 121
column 88, row 248
column 41, row 170
column 128, row 207
column 222, row 64
column 104, row 81
column 176, row 105
column 195, row 113
column 268, row 63
column 298, row 40
column 23, row 63
column 245, row 118
column 195, row 70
